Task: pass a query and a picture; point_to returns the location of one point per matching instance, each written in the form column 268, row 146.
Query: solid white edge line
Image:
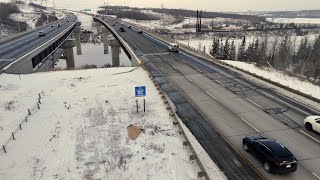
column 253, row 102
column 218, row 82
column 189, row 78
column 315, row 175
column 211, row 96
column 309, row 136
column 198, row 70
column 250, row 125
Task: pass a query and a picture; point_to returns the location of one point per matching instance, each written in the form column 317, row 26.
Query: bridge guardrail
column 134, row 59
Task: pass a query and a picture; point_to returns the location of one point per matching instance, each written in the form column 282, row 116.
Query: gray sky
column 209, row 5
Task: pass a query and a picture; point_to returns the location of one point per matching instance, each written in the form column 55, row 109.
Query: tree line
column 279, row 53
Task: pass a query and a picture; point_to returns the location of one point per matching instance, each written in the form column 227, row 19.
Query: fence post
column 20, row 127
column 39, row 95
column 39, row 101
column 137, row 106
column 4, row 149
column 29, row 112
column 13, row 136
column 38, row 105
column 26, row 119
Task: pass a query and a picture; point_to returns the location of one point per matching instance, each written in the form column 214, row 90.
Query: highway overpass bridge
column 28, row 52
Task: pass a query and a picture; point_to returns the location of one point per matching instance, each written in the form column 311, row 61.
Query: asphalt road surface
column 218, row 105
column 12, row 50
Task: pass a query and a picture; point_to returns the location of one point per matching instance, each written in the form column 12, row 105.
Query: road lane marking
column 315, row 175
column 184, row 62
column 310, row 137
column 250, row 125
column 211, row 96
column 198, row 70
column 174, row 67
column 218, row 82
column 189, row 78
column 253, row 102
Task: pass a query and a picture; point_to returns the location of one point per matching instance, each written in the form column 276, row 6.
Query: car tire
column 308, row 126
column 267, row 167
column 246, row 147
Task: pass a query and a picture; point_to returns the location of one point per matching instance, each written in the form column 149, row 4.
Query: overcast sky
column 209, row 5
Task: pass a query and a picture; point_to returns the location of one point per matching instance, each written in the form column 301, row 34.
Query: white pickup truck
column 173, row 47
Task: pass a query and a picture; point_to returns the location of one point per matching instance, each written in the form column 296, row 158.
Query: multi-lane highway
column 220, row 108
column 12, row 50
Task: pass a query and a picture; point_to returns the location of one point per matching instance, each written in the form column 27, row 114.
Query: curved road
column 12, row 50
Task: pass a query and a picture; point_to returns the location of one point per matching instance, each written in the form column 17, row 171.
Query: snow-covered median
column 80, row 132
column 279, row 77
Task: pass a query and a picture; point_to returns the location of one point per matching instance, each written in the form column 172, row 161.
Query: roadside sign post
column 140, row 91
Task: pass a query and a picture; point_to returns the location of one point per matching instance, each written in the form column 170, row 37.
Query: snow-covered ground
column 279, row 77
column 80, row 131
column 295, row 20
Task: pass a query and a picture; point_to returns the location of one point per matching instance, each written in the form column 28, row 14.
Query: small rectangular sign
column 140, row 91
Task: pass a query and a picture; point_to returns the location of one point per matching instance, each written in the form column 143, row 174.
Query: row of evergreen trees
column 278, row 53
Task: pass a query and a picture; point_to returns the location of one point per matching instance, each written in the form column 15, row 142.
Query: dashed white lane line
column 250, row 125
column 253, row 102
column 189, row 79
column 315, row 175
column 174, row 68
column 218, row 82
column 198, row 70
column 309, row 137
column 184, row 62
column 211, row 96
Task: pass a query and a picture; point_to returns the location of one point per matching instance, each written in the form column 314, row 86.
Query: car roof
column 279, row 149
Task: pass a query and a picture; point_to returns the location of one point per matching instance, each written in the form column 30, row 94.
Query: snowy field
column 295, row 20
column 80, row 131
column 279, row 77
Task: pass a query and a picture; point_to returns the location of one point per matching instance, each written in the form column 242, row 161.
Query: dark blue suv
column 275, row 157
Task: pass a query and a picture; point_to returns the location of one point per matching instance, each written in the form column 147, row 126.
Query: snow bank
column 80, row 132
column 279, row 77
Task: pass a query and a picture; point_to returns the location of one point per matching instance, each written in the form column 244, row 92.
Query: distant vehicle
column 139, row 31
column 41, row 33
column 67, row 20
column 59, row 25
column 129, row 27
column 122, row 29
column 312, row 123
column 174, row 47
column 113, row 25
column 52, row 25
column 274, row 156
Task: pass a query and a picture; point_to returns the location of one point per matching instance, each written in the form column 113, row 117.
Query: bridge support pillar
column 98, row 25
column 68, row 52
column 105, row 33
column 115, row 46
column 77, row 32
